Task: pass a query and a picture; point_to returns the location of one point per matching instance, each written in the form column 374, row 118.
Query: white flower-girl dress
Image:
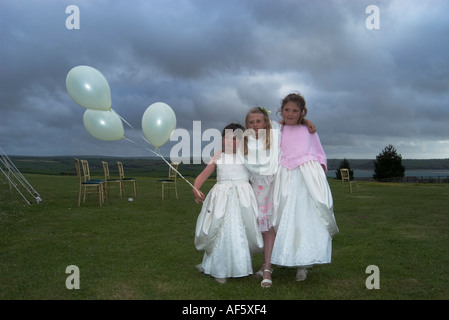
column 227, row 228
column 304, row 218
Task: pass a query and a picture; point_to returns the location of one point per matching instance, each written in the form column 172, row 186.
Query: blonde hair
column 258, row 110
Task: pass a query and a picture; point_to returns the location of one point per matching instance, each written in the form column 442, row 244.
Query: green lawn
column 144, row 249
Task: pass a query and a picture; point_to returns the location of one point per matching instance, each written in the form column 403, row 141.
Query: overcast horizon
column 366, row 85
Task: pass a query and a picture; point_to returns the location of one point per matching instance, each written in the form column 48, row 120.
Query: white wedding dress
column 304, row 219
column 227, row 228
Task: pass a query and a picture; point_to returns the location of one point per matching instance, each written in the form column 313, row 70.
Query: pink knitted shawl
column 299, row 146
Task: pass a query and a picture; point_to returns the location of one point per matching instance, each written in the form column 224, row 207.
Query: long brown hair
column 299, row 100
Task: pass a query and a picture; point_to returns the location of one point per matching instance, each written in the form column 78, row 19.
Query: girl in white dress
column 261, row 159
column 303, row 205
column 226, row 227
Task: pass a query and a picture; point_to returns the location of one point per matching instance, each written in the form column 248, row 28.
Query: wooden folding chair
column 345, row 178
column 109, row 180
column 87, row 186
column 124, row 179
column 86, row 174
column 171, row 181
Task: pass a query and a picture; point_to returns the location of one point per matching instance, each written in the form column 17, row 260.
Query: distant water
column 408, row 173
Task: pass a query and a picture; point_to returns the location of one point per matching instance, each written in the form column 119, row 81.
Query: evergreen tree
column 388, row 164
column 344, row 165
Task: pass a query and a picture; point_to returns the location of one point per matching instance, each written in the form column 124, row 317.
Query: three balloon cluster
column 89, row 88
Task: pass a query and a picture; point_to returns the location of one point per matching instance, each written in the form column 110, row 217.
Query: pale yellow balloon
column 103, row 125
column 88, row 88
column 158, row 123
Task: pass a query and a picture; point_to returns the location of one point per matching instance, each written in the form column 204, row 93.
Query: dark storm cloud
column 213, row 60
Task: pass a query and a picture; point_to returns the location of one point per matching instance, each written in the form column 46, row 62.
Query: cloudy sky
column 212, row 60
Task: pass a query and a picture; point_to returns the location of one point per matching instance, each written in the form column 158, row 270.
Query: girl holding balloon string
column 261, row 152
column 226, row 227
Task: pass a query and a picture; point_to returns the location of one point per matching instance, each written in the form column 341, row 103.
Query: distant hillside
column 156, row 167
column 409, row 164
column 65, row 165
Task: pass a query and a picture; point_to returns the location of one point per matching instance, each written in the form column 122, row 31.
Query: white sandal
column 260, row 272
column 268, row 282
column 221, row 280
column 301, row 274
column 199, row 267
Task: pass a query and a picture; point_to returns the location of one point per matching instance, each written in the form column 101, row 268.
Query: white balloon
column 88, row 88
column 158, row 123
column 103, row 125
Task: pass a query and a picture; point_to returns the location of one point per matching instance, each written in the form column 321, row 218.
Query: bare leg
column 268, row 242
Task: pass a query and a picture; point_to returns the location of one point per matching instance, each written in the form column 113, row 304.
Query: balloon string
column 129, row 140
column 169, row 164
column 178, row 173
column 156, row 152
column 125, row 122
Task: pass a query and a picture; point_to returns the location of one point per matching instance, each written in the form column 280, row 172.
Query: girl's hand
column 324, row 168
column 198, row 195
column 310, row 125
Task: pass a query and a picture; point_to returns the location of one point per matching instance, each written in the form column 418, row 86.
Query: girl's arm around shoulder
column 306, row 122
column 309, row 124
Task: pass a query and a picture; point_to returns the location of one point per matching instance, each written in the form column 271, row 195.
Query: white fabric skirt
column 227, row 230
column 303, row 216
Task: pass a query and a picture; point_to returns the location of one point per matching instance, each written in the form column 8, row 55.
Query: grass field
column 144, row 249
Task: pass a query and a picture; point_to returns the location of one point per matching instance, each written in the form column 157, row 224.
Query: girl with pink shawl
column 303, row 206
